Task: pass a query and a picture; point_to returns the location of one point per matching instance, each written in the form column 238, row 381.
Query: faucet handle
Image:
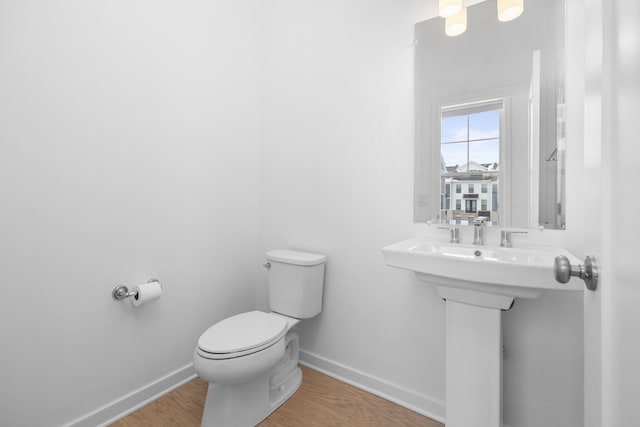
column 454, row 234
column 505, row 237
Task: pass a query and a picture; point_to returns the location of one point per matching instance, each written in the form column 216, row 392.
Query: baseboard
column 133, row 401
column 410, row 399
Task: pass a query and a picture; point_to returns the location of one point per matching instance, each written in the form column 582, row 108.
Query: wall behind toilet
column 338, row 179
column 129, row 149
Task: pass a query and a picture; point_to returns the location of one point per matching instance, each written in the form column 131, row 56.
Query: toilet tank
column 296, row 280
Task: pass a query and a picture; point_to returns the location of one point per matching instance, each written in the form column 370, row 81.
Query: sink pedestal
column 473, row 383
column 474, row 366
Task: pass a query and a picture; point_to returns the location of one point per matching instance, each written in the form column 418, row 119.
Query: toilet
column 250, row 360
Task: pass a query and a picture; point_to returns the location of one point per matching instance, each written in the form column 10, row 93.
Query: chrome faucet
column 478, row 228
column 454, row 234
column 505, row 238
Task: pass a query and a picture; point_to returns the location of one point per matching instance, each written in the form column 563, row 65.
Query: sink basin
column 511, row 272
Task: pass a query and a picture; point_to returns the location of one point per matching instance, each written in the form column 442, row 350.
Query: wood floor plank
column 321, row 401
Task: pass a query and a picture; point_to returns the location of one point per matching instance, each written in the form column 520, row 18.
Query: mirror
column 489, row 119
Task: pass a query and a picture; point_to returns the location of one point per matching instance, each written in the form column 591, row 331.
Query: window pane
column 484, row 125
column 454, row 128
column 454, row 154
column 485, row 152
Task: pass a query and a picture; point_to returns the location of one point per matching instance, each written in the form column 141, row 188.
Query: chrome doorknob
column 563, row 270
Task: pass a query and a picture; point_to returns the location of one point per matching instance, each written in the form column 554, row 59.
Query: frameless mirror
column 489, row 119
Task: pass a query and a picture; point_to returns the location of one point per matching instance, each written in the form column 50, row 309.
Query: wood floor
column 320, row 401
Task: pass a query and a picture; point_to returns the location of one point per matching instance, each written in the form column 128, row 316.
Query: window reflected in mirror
column 470, row 144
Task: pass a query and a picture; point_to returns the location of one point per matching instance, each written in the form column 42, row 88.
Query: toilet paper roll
column 147, row 292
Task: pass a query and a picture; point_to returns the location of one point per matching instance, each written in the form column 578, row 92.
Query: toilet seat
column 241, row 335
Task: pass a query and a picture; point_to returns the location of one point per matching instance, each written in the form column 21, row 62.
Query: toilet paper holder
column 121, row 292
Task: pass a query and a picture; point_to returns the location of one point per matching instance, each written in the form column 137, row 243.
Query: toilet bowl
column 250, row 360
column 251, row 364
column 238, row 348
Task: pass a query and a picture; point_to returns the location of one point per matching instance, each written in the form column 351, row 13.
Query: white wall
column 338, row 179
column 129, row 149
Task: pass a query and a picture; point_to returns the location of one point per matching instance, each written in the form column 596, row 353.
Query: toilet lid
column 242, row 332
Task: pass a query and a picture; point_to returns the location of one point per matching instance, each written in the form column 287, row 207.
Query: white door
column 612, row 154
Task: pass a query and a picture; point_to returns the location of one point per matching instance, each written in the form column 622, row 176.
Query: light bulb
column 447, row 8
column 509, row 9
column 456, row 24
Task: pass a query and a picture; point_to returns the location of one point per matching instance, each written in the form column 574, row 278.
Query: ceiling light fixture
column 455, row 14
column 509, row 9
column 447, row 8
column 456, row 24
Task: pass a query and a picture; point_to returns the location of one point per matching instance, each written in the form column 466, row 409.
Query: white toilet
column 250, row 360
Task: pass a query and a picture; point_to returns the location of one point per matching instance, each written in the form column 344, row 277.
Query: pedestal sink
column 477, row 282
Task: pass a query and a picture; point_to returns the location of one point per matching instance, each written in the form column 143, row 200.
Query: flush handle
column 563, row 270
